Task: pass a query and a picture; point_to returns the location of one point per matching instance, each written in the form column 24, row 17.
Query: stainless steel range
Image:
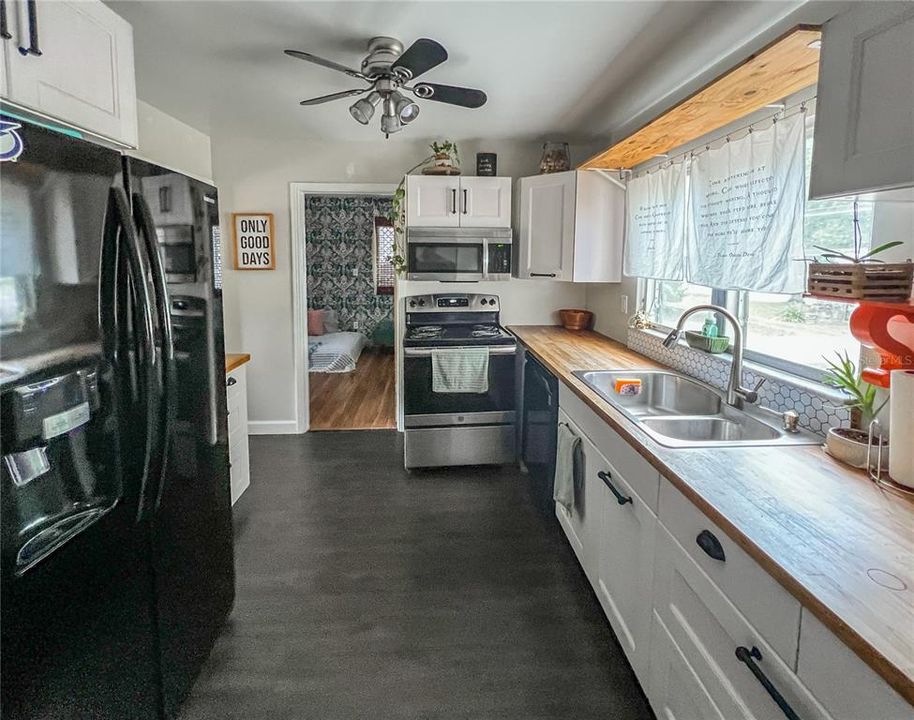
column 457, row 428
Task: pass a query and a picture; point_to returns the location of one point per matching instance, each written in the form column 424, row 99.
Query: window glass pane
column 669, row 299
column 384, row 251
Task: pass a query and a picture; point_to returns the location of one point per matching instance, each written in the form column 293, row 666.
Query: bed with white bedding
column 335, row 352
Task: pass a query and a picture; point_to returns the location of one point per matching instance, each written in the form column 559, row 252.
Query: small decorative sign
column 253, row 234
column 486, row 164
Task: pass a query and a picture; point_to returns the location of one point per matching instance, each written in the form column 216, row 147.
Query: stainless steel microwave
column 456, row 254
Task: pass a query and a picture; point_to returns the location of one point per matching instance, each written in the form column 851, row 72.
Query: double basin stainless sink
column 677, row 411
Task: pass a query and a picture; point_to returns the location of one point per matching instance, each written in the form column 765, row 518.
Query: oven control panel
column 452, row 302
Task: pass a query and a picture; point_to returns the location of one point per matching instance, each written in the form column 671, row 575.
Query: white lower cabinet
column 673, row 687
column 581, row 522
column 709, row 633
column 239, row 459
column 625, row 561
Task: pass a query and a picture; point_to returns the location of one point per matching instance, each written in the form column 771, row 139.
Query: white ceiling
column 220, row 64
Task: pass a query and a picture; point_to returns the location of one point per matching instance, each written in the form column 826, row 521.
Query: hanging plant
column 397, row 218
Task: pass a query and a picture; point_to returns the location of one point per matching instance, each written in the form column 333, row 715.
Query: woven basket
column 889, row 282
column 573, row 319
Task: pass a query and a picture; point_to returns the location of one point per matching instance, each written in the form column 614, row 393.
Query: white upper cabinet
column 571, row 227
column 453, row 201
column 485, row 202
column 864, row 135
column 84, row 73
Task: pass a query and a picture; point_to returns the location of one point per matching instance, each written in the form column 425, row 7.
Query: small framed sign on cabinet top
column 253, row 233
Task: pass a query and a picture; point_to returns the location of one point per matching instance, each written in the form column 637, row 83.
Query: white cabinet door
column 673, row 687
column 432, row 201
column 582, row 521
column 864, row 134
column 625, row 560
column 239, row 451
column 84, row 75
column 709, row 630
column 546, row 228
column 485, row 202
column 841, row 681
column 599, row 225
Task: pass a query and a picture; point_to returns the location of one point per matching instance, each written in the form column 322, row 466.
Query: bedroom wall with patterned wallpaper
column 338, row 243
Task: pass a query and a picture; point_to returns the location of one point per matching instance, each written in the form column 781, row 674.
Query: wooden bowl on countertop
column 574, row 319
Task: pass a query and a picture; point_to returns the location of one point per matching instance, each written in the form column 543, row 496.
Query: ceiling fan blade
column 465, row 97
column 324, row 63
column 420, row 57
column 333, row 96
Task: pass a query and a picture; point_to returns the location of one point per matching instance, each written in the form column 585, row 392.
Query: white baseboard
column 272, row 427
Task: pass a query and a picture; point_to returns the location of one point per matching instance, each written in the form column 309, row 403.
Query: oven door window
column 420, row 400
column 445, row 258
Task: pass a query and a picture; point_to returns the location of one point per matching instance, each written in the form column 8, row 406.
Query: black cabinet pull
column 747, row 656
column 32, row 49
column 607, row 477
column 454, row 201
column 4, row 28
column 231, row 381
column 464, row 201
column 711, row 545
column 542, row 274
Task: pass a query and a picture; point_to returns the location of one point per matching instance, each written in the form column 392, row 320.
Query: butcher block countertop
column 815, row 525
column 235, row 360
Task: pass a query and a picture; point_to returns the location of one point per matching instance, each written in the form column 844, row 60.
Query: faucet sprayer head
column 671, row 339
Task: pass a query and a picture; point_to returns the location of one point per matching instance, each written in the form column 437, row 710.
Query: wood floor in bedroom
column 359, row 400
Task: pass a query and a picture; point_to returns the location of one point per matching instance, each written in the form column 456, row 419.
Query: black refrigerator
column 116, row 532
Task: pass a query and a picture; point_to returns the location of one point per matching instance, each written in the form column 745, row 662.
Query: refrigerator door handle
column 139, row 272
column 168, row 403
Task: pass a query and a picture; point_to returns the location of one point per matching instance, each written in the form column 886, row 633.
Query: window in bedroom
column 384, row 274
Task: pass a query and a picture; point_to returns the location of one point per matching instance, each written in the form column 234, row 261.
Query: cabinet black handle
column 747, row 656
column 4, row 28
column 542, row 274
column 32, row 49
column 607, row 477
column 711, row 545
column 464, row 201
column 231, row 381
column 454, row 201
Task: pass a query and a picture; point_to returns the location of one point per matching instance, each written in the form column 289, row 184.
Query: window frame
column 736, row 301
column 379, row 289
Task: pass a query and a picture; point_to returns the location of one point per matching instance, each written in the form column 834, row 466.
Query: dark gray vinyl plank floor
column 365, row 591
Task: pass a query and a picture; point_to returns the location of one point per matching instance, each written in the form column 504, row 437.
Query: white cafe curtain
column 656, row 224
column 746, row 205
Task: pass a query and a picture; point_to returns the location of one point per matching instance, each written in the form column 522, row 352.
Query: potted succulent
column 445, row 154
column 849, row 445
column 859, row 275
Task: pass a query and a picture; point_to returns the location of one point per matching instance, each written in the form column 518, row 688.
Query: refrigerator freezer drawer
column 463, row 445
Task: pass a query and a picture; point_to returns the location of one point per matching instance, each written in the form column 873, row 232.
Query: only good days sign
column 253, row 234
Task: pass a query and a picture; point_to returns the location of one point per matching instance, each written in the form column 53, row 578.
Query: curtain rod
column 781, row 114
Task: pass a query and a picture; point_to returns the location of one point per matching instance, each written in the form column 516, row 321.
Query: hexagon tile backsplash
column 819, row 407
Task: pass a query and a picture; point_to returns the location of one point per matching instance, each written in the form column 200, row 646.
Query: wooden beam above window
column 784, row 67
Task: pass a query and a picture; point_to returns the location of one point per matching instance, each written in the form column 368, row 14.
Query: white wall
column 167, row 141
column 253, row 175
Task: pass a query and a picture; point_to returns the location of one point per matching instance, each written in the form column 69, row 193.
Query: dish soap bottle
column 710, row 328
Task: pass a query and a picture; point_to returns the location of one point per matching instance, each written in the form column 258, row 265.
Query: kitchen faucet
column 736, row 393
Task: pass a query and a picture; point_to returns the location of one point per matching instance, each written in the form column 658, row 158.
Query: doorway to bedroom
column 350, row 299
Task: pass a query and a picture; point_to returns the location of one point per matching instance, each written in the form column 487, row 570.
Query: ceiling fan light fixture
column 363, row 110
column 406, row 110
column 390, row 124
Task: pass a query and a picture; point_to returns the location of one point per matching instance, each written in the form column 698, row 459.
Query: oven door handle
column 427, row 351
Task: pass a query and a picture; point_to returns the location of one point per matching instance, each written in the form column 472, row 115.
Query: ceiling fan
column 388, row 69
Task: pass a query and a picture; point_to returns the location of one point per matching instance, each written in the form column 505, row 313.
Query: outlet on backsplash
column 818, row 406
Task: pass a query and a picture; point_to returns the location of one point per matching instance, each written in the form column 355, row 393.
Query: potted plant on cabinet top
column 447, row 159
column 860, row 275
column 849, row 445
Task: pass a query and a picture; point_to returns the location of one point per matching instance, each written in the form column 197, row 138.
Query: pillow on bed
column 331, row 321
column 316, row 322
